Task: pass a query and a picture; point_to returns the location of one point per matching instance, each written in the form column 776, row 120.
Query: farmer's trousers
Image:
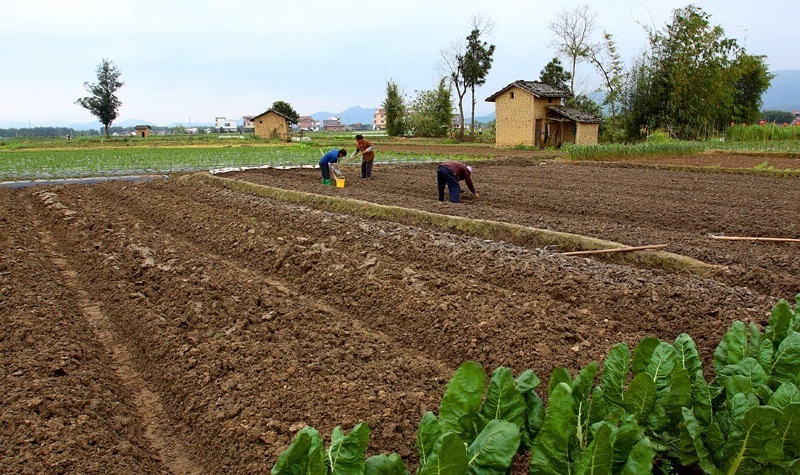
column 446, row 177
column 325, row 169
column 366, row 169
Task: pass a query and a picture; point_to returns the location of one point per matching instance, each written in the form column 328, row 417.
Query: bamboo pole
column 616, row 249
column 745, row 238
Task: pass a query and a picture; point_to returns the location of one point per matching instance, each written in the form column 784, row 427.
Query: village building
column 225, row 126
column 333, row 124
column 248, row 126
column 379, row 119
column 143, row 130
column 306, row 123
column 272, row 125
column 532, row 113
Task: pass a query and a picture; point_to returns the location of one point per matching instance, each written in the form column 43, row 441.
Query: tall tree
column 432, row 111
column 555, row 75
column 606, row 60
column 103, row 103
column 395, row 110
column 477, row 63
column 453, row 69
column 286, row 109
column 751, row 81
column 572, row 31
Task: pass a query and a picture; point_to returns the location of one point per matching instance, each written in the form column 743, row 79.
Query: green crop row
column 652, row 410
column 761, row 133
column 48, row 164
column 643, row 149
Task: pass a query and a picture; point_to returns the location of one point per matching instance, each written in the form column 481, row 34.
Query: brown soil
column 176, row 327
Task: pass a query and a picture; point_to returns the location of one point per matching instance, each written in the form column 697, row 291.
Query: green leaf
column 643, row 353
column 448, row 458
column 346, row 454
column 428, row 432
column 583, row 382
column 640, row 396
column 303, row 456
column 527, row 382
column 780, row 321
column 695, row 431
column 615, row 371
column 558, row 376
column 493, row 449
column 789, row 429
column 550, row 452
column 383, row 465
column 786, row 360
column 702, row 399
column 786, row 394
column 503, row 400
column 599, row 456
column 662, row 362
column 625, row 438
column 687, row 354
column 733, row 347
column 749, row 368
column 458, row 411
column 640, row 460
column 754, row 436
column 670, row 401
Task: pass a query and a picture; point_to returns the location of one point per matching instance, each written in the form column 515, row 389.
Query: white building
column 224, row 125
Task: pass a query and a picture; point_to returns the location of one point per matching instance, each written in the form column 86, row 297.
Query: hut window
column 512, row 94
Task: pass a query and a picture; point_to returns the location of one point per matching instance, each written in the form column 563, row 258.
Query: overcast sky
column 189, row 61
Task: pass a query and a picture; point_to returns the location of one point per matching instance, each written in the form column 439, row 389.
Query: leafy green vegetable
column 385, row 465
column 346, row 453
column 493, row 449
column 550, row 452
column 449, row 457
column 461, row 403
column 303, row 456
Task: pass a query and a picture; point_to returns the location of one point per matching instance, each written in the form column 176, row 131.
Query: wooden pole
column 616, row 249
column 744, row 238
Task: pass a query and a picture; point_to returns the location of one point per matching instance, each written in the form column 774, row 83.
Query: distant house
column 531, row 113
column 359, row 127
column 307, row 123
column 248, row 126
column 225, row 126
column 333, row 124
column 143, row 130
column 379, row 119
column 272, row 125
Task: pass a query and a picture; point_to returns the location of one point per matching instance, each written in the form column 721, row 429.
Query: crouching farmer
column 450, row 173
column 330, row 159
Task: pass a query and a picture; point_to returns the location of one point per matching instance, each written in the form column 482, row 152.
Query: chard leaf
column 599, row 456
column 640, row 396
column 733, row 347
column 662, row 363
column 670, row 401
column 626, row 436
column 786, row 361
column 449, row 457
column 687, row 354
column 346, row 454
column 493, row 449
column 702, row 396
column 789, row 429
column 615, row 370
column 527, row 382
column 755, row 436
column 748, row 368
column 583, row 382
column 383, row 465
column 503, row 400
column 739, row 393
column 715, row 439
column 780, row 321
column 692, row 427
column 458, row 411
column 786, row 394
column 643, row 353
column 640, row 459
column 550, row 452
column 428, row 433
column 303, row 456
column 558, row 376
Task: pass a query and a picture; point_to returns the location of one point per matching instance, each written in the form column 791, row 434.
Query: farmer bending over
column 450, row 173
column 329, row 160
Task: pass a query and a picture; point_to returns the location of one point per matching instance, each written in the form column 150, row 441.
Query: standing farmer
column 450, row 173
column 367, row 155
column 328, row 160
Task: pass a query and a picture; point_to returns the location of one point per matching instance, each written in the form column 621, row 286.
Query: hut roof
column 292, row 121
column 537, row 88
column 575, row 114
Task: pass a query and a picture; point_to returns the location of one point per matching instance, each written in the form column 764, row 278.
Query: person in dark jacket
column 332, row 157
column 450, row 173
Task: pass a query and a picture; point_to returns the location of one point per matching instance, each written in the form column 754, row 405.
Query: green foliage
column 103, row 103
column 431, row 112
column 476, row 63
column 777, row 117
column 555, row 74
column 655, row 405
column 641, row 149
column 395, row 110
column 286, row 109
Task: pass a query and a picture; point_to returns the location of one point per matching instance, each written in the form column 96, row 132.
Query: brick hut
column 143, row 130
column 272, row 125
column 531, row 113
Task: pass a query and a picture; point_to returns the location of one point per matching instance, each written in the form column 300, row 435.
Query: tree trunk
column 472, row 117
column 107, row 136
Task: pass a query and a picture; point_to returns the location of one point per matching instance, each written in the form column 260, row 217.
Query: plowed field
column 178, row 327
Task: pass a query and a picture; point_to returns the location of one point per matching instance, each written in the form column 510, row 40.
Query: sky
column 189, row 61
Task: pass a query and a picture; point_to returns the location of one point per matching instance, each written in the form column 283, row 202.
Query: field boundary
column 521, row 235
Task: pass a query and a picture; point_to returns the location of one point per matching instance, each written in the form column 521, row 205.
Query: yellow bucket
column 340, row 182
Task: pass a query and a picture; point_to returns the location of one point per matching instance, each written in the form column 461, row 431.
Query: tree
column 286, row 109
column 771, row 116
column 395, row 110
column 477, row 63
column 606, row 60
column 555, row 75
column 103, row 103
column 752, row 79
column 431, row 111
column 453, row 68
column 572, row 30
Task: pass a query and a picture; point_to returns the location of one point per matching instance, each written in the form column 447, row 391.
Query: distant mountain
column 784, row 91
column 353, row 115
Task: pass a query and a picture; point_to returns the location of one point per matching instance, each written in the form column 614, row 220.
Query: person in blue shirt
column 325, row 162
